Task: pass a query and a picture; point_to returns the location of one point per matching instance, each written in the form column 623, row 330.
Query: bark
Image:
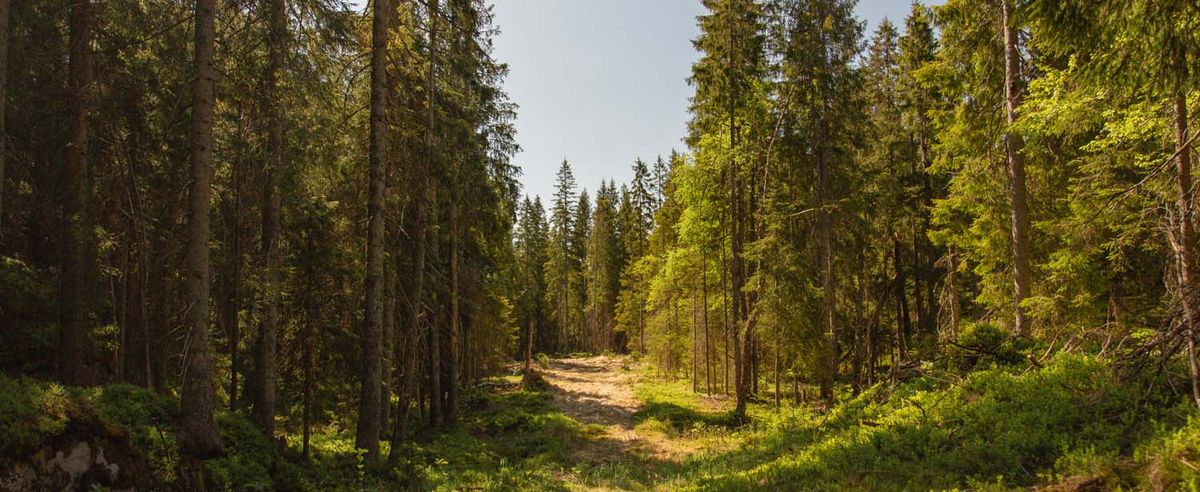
column 725, row 334
column 737, row 280
column 930, row 270
column 3, row 100
column 641, row 326
column 903, row 323
column 860, row 323
column 163, row 289
column 1013, row 145
column 231, row 211
column 754, row 357
column 828, row 286
column 266, row 346
column 529, row 345
column 408, row 385
column 776, row 371
column 137, row 366
column 389, row 346
column 367, row 433
column 1185, row 248
column 455, row 315
column 198, row 435
column 73, row 336
column 708, row 384
column 435, row 335
column 312, row 317
column 695, row 347
column 952, row 295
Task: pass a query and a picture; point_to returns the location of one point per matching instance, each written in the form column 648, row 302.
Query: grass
column 1072, row 423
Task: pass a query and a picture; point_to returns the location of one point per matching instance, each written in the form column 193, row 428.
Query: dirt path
column 596, row 390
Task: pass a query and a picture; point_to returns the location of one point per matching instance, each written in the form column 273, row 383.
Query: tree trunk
column 903, row 323
column 367, row 434
column 1016, row 171
column 641, row 326
column 73, row 323
column 137, row 369
column 311, row 319
column 725, row 333
column 529, row 345
column 708, row 383
column 753, row 359
column 452, row 364
column 828, row 286
column 412, row 336
column 435, row 334
column 3, row 100
column 952, row 292
column 388, row 354
column 737, row 280
column 409, row 383
column 695, row 347
column 1185, row 249
column 264, row 360
column 776, row 371
column 735, row 290
column 230, row 276
column 198, row 435
column 860, row 322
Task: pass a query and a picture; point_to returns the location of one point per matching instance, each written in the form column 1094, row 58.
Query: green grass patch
column 671, row 407
column 999, row 427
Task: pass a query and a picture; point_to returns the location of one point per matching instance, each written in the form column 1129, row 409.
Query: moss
column 249, row 456
column 30, row 413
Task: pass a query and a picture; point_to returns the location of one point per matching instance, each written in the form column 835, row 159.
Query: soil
column 599, row 391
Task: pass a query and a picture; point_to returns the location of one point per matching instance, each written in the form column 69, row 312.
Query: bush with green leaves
column 1004, row 426
column 30, row 413
column 982, row 345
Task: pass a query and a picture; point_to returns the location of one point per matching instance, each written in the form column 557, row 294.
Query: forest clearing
column 310, row 245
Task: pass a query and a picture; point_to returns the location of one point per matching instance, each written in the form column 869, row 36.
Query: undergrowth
column 1071, row 423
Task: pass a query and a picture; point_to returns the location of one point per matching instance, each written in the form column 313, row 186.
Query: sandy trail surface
column 599, row 390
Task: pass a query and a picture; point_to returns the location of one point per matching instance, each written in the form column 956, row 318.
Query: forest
column 284, row 245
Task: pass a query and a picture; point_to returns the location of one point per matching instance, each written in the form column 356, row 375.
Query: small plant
column 982, row 345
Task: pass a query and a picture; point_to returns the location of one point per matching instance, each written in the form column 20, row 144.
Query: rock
column 77, row 462
column 87, row 454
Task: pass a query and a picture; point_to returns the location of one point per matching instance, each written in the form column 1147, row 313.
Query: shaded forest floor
column 611, row 423
column 1070, row 425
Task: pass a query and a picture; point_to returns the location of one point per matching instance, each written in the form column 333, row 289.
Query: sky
column 603, row 82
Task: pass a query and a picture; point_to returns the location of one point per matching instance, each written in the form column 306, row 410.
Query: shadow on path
column 596, row 391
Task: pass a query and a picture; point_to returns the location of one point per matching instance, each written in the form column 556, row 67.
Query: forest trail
column 598, row 391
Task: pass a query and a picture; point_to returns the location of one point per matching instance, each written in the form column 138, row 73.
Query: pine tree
column 265, row 345
column 198, row 436
column 559, row 257
column 367, row 434
column 732, row 62
column 531, row 244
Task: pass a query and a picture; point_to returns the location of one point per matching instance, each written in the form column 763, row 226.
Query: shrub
column 249, row 456
column 983, row 345
column 30, row 412
column 997, row 427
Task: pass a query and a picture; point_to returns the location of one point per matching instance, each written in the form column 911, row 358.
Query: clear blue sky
column 602, row 82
